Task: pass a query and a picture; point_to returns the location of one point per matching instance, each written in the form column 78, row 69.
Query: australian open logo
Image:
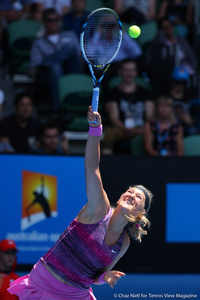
column 39, row 198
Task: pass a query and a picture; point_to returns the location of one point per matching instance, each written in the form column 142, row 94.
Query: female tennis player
column 96, row 239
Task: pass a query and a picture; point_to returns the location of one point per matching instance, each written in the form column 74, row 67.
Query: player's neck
column 117, row 222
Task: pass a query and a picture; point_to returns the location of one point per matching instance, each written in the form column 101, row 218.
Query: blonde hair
column 136, row 224
column 168, row 100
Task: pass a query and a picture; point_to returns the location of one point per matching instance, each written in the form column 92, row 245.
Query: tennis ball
column 134, row 31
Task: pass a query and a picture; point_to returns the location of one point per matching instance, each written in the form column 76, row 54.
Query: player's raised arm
column 97, row 199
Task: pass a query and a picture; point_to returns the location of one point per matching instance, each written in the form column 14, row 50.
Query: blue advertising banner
column 182, row 213
column 39, row 197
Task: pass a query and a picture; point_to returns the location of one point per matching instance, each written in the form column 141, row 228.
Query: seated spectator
column 168, row 50
column 19, row 130
column 51, row 141
column 167, row 37
column 8, row 261
column 134, row 11
column 4, row 147
column 11, row 11
column 129, row 49
column 163, row 136
column 14, row 10
column 127, row 106
column 180, row 13
column 54, row 55
column 34, row 13
column 186, row 113
column 75, row 18
column 61, row 6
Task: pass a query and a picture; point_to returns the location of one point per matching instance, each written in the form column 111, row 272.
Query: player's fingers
column 90, row 116
column 120, row 273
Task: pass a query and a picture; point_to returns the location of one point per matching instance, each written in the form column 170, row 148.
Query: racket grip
column 95, row 101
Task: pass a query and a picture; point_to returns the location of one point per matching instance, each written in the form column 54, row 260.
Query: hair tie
column 137, row 225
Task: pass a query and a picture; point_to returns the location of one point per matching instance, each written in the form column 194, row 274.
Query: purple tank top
column 81, row 251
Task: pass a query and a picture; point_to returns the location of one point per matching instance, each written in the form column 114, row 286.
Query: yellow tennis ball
column 134, row 31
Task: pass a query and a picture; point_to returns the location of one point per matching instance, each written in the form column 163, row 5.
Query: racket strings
column 101, row 37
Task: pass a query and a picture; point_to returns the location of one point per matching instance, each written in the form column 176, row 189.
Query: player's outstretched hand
column 92, row 116
column 112, row 277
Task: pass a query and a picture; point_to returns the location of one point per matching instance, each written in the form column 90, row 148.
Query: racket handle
column 95, row 101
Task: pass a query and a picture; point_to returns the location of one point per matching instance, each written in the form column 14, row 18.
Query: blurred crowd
column 149, row 94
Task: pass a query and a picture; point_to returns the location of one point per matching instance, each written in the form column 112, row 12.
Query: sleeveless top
column 164, row 139
column 81, row 251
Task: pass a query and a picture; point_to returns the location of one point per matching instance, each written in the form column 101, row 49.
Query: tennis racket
column 100, row 42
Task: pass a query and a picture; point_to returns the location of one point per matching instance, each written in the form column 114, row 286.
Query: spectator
column 55, row 54
column 167, row 51
column 61, row 6
column 179, row 12
column 127, row 106
column 129, row 49
column 187, row 114
column 8, row 260
column 34, row 13
column 19, row 129
column 75, row 19
column 4, row 147
column 11, row 11
column 14, row 10
column 163, row 136
column 134, row 11
column 185, row 54
column 51, row 141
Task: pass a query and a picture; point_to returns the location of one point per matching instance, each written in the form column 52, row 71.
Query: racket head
column 101, row 37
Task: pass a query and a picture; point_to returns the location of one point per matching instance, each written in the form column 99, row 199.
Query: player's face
column 51, row 138
column 128, row 72
column 164, row 110
column 132, row 201
column 8, row 258
column 24, row 108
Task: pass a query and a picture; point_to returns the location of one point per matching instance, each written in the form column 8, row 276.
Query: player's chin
column 126, row 208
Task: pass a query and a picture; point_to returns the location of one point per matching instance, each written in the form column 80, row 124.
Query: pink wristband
column 96, row 131
column 101, row 278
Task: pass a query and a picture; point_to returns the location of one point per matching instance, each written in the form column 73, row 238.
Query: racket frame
column 97, row 81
